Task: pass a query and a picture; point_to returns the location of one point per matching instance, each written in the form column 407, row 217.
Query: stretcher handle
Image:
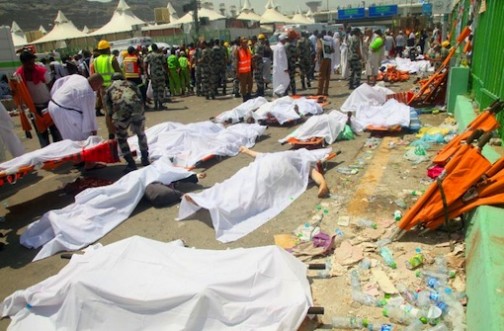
column 484, row 139
column 315, row 311
column 316, row 266
column 496, row 106
column 476, row 134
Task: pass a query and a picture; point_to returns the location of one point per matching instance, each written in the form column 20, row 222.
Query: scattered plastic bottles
column 387, row 256
column 363, row 223
column 416, row 325
column 347, row 171
column 406, row 294
column 397, row 215
column 383, row 242
column 400, row 203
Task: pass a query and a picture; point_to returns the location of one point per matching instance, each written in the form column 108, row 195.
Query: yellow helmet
column 261, row 36
column 226, row 44
column 103, row 44
column 445, row 44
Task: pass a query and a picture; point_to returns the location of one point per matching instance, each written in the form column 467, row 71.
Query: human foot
column 323, row 191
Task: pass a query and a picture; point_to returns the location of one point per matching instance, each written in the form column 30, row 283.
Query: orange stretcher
column 393, row 75
column 105, row 152
column 311, row 143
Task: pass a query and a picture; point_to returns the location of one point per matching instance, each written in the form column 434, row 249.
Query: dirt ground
column 383, row 175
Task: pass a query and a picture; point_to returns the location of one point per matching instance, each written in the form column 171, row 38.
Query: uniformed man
column 124, row 102
column 305, row 59
column 106, row 65
column 234, row 63
column 215, row 68
column 156, row 69
column 133, row 70
column 355, row 58
column 292, row 56
column 258, row 64
column 205, row 63
column 223, row 60
column 195, row 62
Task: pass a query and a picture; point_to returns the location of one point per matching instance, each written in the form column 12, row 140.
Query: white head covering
column 283, row 36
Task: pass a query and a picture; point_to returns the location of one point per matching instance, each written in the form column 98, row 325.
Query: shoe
column 145, row 158
column 237, row 95
column 129, row 168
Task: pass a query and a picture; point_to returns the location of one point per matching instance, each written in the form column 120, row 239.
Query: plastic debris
column 386, row 254
column 347, row 170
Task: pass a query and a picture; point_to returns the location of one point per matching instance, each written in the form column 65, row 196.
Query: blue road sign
column 427, row 9
column 351, row 13
column 382, row 11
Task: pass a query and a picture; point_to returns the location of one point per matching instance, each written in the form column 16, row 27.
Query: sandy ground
column 370, row 194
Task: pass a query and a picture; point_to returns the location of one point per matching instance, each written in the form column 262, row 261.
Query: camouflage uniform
column 355, row 61
column 197, row 71
column 236, row 82
column 205, row 64
column 259, row 67
column 215, row 70
column 290, row 50
column 125, row 105
column 304, row 51
column 223, row 65
column 156, row 63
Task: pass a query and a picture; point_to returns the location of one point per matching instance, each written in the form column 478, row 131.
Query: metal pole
column 195, row 17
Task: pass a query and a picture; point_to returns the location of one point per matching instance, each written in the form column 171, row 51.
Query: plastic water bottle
column 365, row 264
column 355, row 281
column 397, row 215
column 340, row 322
column 405, row 293
column 416, row 325
column 423, row 299
column 364, row 298
column 415, row 261
column 387, row 257
column 439, row 327
column 363, row 223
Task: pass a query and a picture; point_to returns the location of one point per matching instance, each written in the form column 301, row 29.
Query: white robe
column 256, row 193
column 8, row 137
column 73, row 92
column 281, row 78
column 345, row 67
column 336, row 56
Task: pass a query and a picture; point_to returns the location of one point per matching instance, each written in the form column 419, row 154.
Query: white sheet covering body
column 187, row 144
column 96, row 211
column 367, row 96
column 327, row 126
column 53, row 151
column 287, row 109
column 142, row 284
column 392, row 113
column 256, row 193
column 241, row 112
column 8, row 136
column 405, row 64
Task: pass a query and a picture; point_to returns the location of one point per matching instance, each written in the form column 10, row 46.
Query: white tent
column 173, row 13
column 203, row 12
column 271, row 15
column 299, row 18
column 18, row 36
column 63, row 29
column 247, row 13
column 122, row 21
column 42, row 29
column 85, row 29
column 309, row 15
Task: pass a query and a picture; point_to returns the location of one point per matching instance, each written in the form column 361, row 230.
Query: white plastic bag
column 150, row 93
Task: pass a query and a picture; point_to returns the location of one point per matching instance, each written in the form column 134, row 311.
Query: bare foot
column 244, row 150
column 189, row 199
column 323, row 191
column 201, row 175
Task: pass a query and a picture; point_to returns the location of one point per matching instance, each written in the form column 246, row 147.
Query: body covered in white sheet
column 256, row 193
column 327, row 126
column 143, row 284
column 96, row 211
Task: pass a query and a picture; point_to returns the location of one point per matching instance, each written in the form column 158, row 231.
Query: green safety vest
column 103, row 66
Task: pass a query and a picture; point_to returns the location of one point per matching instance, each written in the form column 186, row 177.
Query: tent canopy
column 173, row 13
column 18, row 36
column 271, row 15
column 122, row 21
column 63, row 29
column 247, row 13
column 203, row 12
column 299, row 18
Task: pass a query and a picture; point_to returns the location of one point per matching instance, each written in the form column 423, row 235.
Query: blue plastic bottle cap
column 386, row 327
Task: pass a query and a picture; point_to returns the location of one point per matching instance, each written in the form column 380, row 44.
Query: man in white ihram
column 281, row 78
column 72, row 107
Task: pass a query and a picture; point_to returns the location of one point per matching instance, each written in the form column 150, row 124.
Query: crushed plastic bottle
column 416, row 325
column 341, row 322
column 365, row 264
column 415, row 261
column 383, row 242
column 347, row 171
column 400, row 203
column 387, row 256
column 407, row 295
column 439, row 327
column 364, row 223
